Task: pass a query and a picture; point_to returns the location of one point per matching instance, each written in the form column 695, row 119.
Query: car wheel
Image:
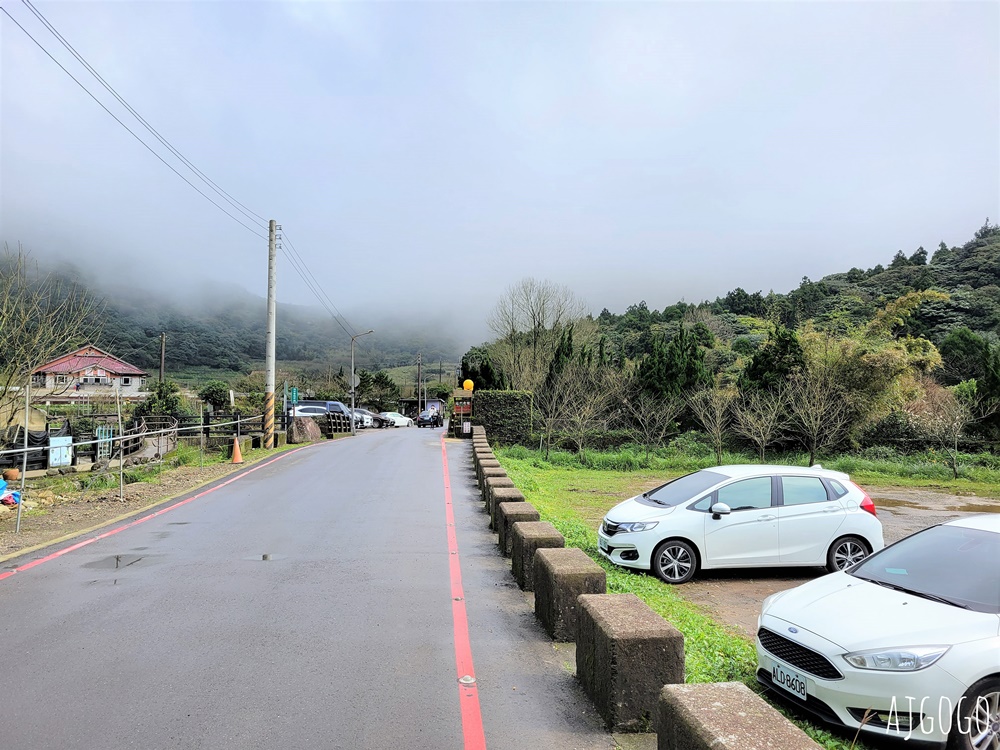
column 409, row 423
column 674, row 561
column 977, row 720
column 845, row 552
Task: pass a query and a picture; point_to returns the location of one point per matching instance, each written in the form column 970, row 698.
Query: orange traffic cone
column 237, row 453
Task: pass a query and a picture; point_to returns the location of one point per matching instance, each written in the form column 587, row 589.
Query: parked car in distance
column 362, row 418
column 373, row 419
column 743, row 517
column 429, row 419
column 319, row 408
column 308, row 411
column 397, row 419
column 905, row 644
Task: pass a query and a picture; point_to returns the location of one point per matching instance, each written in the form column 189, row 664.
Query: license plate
column 602, row 544
column 788, row 679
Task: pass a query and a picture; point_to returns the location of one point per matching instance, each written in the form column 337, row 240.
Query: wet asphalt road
column 175, row 633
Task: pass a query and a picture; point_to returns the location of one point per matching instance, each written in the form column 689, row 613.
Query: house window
column 126, row 381
column 38, row 379
column 61, row 380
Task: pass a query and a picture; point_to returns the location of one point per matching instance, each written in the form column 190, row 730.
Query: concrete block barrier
column 561, row 576
column 502, row 495
column 488, row 472
column 492, row 484
column 507, row 514
column 525, row 538
column 721, row 716
column 477, row 461
column 478, row 429
column 625, row 654
column 488, row 463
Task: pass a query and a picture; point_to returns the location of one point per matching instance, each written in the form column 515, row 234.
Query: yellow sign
column 467, row 385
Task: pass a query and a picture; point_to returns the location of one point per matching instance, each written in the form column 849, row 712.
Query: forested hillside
column 969, row 274
column 905, row 354
column 223, row 327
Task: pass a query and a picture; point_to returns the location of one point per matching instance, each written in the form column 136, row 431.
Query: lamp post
column 354, row 378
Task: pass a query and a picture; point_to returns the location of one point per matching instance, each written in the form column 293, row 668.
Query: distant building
column 84, row 374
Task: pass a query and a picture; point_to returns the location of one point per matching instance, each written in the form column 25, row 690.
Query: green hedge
column 506, row 415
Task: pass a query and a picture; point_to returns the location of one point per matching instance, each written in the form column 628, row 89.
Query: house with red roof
column 86, row 373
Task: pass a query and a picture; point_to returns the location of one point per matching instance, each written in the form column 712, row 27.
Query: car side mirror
column 719, row 510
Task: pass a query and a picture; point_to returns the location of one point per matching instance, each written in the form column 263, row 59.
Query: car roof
column 736, row 471
column 982, row 521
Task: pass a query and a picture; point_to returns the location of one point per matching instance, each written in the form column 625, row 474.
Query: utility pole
column 269, row 344
column 163, row 354
column 418, row 383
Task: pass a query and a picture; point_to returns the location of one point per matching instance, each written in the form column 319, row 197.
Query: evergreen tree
column 775, row 362
column 674, row 367
column 562, row 356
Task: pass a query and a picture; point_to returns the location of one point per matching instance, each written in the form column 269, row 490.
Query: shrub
column 506, row 415
column 692, row 444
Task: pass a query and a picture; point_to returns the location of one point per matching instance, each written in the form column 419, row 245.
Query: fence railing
column 92, row 447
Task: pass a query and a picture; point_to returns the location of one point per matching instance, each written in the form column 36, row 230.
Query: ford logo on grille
column 793, row 630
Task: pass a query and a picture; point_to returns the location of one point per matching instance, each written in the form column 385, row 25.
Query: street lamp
column 354, row 378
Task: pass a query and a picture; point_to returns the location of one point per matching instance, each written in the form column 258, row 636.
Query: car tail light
column 866, row 502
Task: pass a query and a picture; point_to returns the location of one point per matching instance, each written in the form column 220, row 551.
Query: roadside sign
column 293, row 395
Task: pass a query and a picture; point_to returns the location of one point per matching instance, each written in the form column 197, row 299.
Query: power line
column 232, row 201
column 297, row 261
column 131, row 132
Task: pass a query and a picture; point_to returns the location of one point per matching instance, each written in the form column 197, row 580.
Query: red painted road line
column 468, row 693
column 136, row 522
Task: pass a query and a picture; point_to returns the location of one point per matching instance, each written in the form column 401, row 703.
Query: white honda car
column 743, row 517
column 904, row 644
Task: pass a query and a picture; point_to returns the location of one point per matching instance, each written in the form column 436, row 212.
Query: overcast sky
column 631, row 151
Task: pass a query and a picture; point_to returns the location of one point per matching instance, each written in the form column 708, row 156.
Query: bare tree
column 712, row 408
column 527, row 321
column 944, row 415
column 555, row 402
column 820, row 409
column 41, row 317
column 651, row 418
column 595, row 394
column 761, row 417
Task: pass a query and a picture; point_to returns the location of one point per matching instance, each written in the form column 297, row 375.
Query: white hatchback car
column 743, row 517
column 905, row 644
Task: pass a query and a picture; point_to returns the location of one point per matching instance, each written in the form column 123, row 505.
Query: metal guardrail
column 132, row 441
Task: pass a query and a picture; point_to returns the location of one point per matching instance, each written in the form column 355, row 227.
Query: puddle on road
column 117, row 562
column 976, row 508
column 886, row 502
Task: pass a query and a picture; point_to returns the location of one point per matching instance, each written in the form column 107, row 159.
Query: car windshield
column 682, row 489
column 951, row 564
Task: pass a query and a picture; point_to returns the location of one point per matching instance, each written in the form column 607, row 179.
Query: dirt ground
column 734, row 596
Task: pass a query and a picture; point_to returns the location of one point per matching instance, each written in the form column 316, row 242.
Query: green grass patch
column 574, row 498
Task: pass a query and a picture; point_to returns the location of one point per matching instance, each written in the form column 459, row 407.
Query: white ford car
column 905, row 644
column 743, row 517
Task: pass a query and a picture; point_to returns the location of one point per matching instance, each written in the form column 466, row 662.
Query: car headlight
column 637, row 526
column 903, row 659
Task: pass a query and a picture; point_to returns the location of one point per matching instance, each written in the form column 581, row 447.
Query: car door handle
column 767, row 518
column 831, row 509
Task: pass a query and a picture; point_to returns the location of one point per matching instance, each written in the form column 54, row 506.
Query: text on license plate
column 792, row 681
column 602, row 544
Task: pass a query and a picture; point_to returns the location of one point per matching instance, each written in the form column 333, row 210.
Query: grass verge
column 574, row 499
